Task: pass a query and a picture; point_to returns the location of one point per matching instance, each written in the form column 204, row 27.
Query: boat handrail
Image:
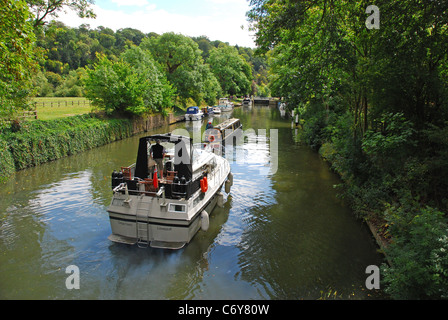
column 216, row 148
column 119, row 187
column 123, row 186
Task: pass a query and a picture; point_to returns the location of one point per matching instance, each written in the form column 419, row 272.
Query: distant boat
column 225, row 105
column 194, row 113
column 247, row 102
column 216, row 110
column 282, row 108
column 208, row 110
column 223, row 134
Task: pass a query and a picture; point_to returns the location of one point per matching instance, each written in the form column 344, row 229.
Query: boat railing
column 128, row 172
column 216, row 148
column 123, row 187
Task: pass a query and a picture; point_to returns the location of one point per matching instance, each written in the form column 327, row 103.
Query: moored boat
column 223, row 134
column 225, row 105
column 216, row 110
column 207, row 111
column 194, row 113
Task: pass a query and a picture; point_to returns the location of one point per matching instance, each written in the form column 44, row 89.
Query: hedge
column 37, row 142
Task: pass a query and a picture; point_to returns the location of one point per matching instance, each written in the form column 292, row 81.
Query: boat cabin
column 193, row 110
column 224, row 101
column 224, row 132
column 176, row 180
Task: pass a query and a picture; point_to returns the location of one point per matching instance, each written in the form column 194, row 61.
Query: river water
column 282, row 234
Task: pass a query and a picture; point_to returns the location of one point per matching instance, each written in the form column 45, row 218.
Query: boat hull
column 157, row 232
column 193, row 117
column 156, row 221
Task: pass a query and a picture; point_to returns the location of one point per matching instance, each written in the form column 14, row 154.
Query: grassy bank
column 55, row 107
column 34, row 142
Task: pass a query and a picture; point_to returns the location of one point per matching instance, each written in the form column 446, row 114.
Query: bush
column 390, row 145
column 132, row 86
column 313, row 130
column 418, row 253
column 6, row 161
column 42, row 141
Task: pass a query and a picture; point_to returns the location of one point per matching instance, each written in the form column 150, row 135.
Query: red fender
column 204, row 184
column 155, row 181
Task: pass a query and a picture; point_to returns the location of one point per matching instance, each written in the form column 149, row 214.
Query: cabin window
column 177, row 207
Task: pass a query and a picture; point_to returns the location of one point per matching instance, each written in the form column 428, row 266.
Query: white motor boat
column 194, row 113
column 247, row 102
column 225, row 105
column 216, row 110
column 166, row 211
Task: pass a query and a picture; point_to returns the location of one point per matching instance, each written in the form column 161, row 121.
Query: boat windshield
column 177, row 150
column 192, row 110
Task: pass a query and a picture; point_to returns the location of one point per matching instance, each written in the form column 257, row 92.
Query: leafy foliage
column 44, row 8
column 133, row 85
column 7, row 167
column 231, row 70
column 419, row 252
column 16, row 57
column 376, row 106
column 181, row 59
column 42, row 141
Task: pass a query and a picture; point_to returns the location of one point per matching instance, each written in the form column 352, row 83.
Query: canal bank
column 32, row 143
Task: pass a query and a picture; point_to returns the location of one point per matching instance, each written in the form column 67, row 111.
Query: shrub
column 418, row 253
column 132, row 85
column 6, row 161
column 390, row 145
column 38, row 141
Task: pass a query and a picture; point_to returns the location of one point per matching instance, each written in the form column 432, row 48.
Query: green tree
column 411, row 54
column 43, row 9
column 16, row 56
column 204, row 44
column 210, row 88
column 133, row 85
column 233, row 72
column 181, row 59
column 375, row 102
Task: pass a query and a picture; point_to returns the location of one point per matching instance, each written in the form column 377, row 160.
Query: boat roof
column 167, row 137
column 191, row 110
column 181, row 143
column 226, row 123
